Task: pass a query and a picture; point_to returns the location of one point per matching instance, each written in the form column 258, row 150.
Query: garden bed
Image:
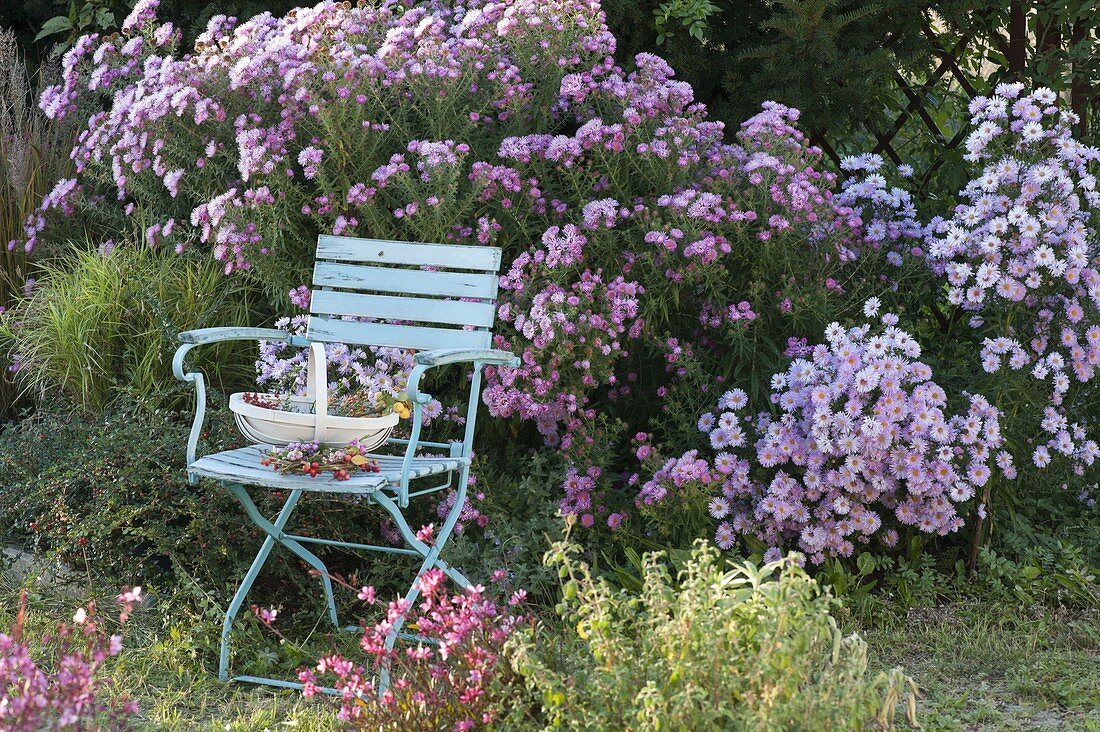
column 792, row 435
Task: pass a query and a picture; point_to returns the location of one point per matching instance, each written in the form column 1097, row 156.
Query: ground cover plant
column 721, row 338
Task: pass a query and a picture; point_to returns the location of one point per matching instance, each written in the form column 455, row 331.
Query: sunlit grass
column 996, row 666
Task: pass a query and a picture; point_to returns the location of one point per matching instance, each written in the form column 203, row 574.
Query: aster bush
column 864, row 444
column 1018, row 257
column 634, row 230
column 604, row 357
column 654, row 258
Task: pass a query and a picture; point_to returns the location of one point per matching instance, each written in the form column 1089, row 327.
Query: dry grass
column 33, row 155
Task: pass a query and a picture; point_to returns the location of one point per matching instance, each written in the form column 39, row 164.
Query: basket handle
column 317, row 388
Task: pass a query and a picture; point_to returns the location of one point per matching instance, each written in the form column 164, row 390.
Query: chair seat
column 243, row 466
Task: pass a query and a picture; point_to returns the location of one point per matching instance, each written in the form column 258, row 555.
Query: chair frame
column 392, row 495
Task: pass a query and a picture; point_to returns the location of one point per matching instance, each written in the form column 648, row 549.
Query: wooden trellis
column 1011, row 44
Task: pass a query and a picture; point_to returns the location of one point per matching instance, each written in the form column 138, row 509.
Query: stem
column 972, row 563
column 941, row 319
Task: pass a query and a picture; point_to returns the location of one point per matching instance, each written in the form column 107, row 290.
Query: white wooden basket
column 307, row 417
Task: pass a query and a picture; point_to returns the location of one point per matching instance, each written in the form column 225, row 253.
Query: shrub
column 864, row 442
column 652, row 236
column 652, row 263
column 101, row 325
column 516, row 496
column 1015, row 255
column 71, row 697
column 717, row 648
column 452, row 681
column 111, row 492
column 833, row 59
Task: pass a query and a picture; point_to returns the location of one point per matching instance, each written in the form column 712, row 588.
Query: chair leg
column 314, row 561
column 276, row 530
column 431, row 559
column 257, row 564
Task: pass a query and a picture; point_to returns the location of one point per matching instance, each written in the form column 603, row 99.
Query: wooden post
column 1048, row 39
column 1080, row 90
column 1017, row 40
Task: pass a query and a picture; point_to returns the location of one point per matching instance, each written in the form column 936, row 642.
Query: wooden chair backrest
column 452, row 304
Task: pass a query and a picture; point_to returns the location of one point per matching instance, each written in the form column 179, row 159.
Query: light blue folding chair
column 438, row 300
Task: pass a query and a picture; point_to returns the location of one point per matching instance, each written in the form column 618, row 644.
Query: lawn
column 997, row 666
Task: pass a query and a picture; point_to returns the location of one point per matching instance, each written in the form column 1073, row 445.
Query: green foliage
column 90, row 16
column 1058, row 45
column 716, row 648
column 1054, row 573
column 99, row 329
column 522, row 492
column 832, row 59
column 691, row 15
column 110, row 494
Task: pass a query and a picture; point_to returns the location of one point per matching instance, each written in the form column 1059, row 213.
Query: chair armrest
column 444, row 356
column 215, row 335
column 190, row 339
column 426, row 360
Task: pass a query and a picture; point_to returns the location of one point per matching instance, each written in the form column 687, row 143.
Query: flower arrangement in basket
column 313, row 428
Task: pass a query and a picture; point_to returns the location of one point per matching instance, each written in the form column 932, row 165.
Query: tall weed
column 718, row 647
column 33, row 154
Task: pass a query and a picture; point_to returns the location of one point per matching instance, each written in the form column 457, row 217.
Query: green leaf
column 58, row 24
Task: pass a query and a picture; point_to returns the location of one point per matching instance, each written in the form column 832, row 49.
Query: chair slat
column 417, row 338
column 453, row 256
column 213, row 467
column 390, row 307
column 412, row 281
column 243, row 465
